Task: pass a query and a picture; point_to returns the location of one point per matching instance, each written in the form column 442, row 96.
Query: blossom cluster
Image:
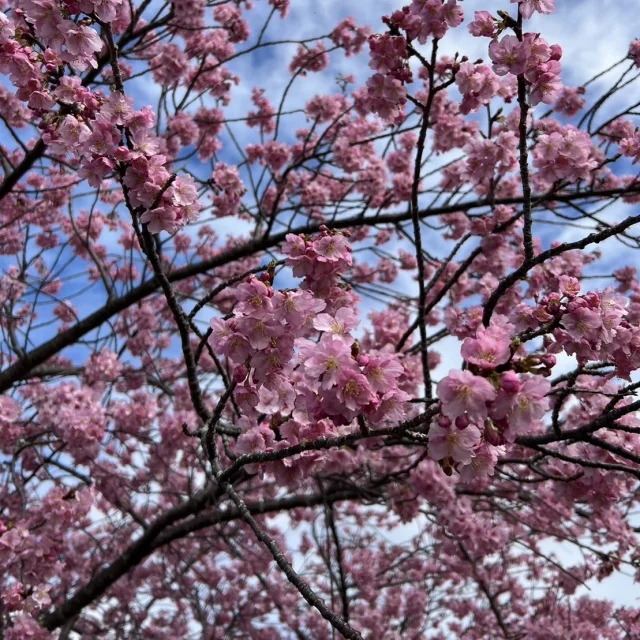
column 599, row 325
column 20, row 63
column 478, row 84
column 482, row 409
column 485, row 157
column 295, row 356
column 168, row 202
column 386, row 93
column 503, row 392
column 563, row 153
column 63, row 39
column 89, row 128
column 527, row 54
column 299, row 369
column 33, row 547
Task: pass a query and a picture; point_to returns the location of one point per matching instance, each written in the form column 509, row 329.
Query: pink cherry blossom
column 453, row 443
column 386, row 97
column 279, row 397
column 483, row 24
column 183, row 191
column 487, row 350
column 509, row 55
column 546, row 88
column 382, row 372
column 343, row 322
column 72, row 132
column 634, row 51
column 254, row 298
column 462, row 392
column 581, row 322
column 523, row 408
column 118, row 108
column 81, row 41
column 354, row 390
column 482, row 464
column 349, row 36
column 528, row 7
column 393, row 407
column 389, row 55
column 327, row 360
column 478, row 84
column 160, row 219
column 298, row 307
column 260, row 331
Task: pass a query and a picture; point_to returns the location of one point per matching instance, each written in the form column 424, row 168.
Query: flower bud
column 549, row 360
column 593, row 299
column 552, row 303
column 444, row 422
column 510, row 382
column 240, row 373
column 447, row 466
column 462, row 422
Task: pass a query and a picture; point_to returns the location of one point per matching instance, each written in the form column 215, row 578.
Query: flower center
column 351, row 388
column 337, row 327
column 332, row 364
column 464, row 392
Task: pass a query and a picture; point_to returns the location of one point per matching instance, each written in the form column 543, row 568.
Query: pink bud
column 510, row 382
column 549, row 360
column 240, row 373
column 556, row 52
column 444, row 422
column 462, row 422
column 363, row 360
column 593, row 299
column 575, row 304
column 122, row 154
column 552, row 302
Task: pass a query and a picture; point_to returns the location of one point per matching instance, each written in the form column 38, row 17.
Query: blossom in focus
column 462, row 392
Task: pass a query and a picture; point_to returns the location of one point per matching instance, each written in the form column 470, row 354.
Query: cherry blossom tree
column 353, row 366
